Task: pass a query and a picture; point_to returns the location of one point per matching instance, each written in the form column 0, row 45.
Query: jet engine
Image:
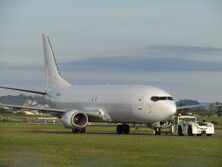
column 74, row 119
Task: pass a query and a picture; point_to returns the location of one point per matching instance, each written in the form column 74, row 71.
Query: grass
column 41, row 145
column 211, row 118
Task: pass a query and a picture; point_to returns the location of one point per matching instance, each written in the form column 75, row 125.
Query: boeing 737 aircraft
column 123, row 104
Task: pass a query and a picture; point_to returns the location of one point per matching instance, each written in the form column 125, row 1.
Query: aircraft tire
column 78, row 130
column 75, row 130
column 180, row 133
column 126, row 129
column 119, row 129
column 189, row 131
column 157, row 131
column 82, row 130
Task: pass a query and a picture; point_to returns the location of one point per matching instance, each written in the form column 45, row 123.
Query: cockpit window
column 170, row 98
column 157, row 98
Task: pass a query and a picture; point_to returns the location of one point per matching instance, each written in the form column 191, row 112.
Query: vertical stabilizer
column 52, row 74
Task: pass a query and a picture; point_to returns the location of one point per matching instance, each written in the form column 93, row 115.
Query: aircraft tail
column 52, row 74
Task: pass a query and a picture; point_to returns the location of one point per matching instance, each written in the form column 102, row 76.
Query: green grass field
column 42, row 145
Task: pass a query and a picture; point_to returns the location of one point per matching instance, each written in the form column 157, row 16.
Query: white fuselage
column 123, row 104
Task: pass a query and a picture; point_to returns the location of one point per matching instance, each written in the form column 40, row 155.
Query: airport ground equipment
column 188, row 125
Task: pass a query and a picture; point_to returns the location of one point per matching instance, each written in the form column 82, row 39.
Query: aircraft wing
column 94, row 114
column 24, row 90
column 33, row 108
column 191, row 106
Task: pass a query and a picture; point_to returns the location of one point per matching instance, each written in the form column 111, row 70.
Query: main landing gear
column 78, row 130
column 123, row 129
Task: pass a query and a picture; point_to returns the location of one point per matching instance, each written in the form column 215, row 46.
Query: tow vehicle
column 188, row 125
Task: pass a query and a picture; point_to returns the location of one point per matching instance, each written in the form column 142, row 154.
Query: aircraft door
column 141, row 103
column 149, row 107
column 144, row 105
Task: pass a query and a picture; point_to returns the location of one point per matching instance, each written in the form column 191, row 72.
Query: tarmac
column 111, row 134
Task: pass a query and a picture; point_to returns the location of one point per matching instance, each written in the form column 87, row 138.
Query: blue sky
column 175, row 45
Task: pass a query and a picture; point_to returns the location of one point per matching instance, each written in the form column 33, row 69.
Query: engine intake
column 74, row 119
column 79, row 119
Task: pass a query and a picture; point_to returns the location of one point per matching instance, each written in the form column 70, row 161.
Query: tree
column 219, row 111
column 3, row 110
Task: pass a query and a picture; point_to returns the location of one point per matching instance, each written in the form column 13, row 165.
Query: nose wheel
column 157, row 131
column 123, row 129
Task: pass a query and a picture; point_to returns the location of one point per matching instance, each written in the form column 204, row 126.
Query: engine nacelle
column 74, row 119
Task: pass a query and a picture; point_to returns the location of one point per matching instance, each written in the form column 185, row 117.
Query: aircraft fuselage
column 122, row 103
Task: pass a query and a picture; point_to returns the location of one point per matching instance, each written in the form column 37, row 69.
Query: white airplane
column 122, row 104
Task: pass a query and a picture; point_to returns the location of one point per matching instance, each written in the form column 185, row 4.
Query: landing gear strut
column 157, row 131
column 120, row 129
column 78, row 130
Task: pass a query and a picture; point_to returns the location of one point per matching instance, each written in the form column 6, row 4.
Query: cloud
column 140, row 63
column 184, row 52
column 150, row 62
column 184, row 49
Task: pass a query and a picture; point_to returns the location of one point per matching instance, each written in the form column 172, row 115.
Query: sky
column 174, row 45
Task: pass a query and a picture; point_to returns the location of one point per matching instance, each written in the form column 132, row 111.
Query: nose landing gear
column 157, row 131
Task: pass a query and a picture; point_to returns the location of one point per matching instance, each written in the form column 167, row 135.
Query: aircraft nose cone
column 173, row 109
column 168, row 110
